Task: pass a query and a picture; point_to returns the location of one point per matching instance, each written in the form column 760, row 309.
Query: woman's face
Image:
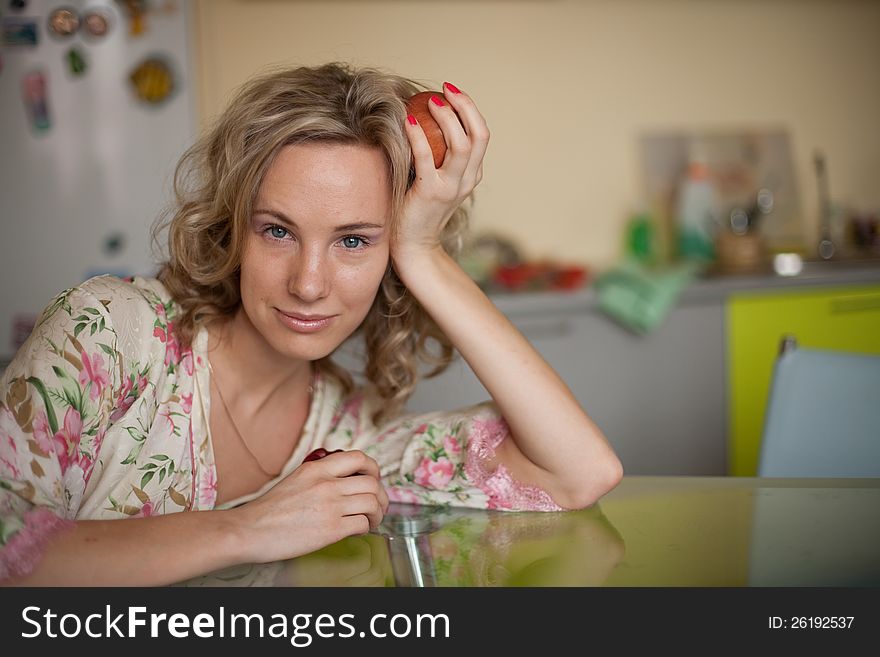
column 317, row 247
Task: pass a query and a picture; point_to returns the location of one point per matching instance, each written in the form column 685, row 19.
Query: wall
column 568, row 85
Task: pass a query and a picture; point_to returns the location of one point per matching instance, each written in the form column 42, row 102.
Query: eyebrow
column 283, row 218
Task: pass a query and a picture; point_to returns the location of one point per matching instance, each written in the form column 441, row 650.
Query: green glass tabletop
column 649, row 531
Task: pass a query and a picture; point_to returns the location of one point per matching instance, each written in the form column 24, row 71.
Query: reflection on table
column 649, row 531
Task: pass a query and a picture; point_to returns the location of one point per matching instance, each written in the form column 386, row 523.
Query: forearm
column 152, row 551
column 572, row 458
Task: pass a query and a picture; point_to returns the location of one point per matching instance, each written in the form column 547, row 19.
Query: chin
column 304, row 347
column 310, row 349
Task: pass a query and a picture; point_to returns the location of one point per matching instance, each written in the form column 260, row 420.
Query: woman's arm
column 555, row 444
column 153, row 551
column 319, row 503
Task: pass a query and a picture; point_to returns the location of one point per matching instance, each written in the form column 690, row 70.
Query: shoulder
column 128, row 295
column 119, row 313
column 118, row 301
column 106, row 292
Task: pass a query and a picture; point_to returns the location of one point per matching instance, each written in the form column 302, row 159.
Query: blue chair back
column 823, row 415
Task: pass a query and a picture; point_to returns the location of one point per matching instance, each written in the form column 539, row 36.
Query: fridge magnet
column 152, row 80
column 33, row 87
column 96, row 23
column 76, row 62
column 17, row 5
column 63, row 22
column 19, row 32
column 136, row 10
column 114, row 244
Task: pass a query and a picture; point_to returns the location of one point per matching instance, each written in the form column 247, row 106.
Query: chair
column 823, row 415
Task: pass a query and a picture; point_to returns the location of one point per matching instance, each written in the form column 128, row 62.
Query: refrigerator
column 96, row 108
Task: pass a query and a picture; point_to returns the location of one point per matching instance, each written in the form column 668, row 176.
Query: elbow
column 615, row 474
column 603, row 481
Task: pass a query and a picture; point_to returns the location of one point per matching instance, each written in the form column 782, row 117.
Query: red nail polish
column 436, row 100
column 452, row 87
column 411, row 119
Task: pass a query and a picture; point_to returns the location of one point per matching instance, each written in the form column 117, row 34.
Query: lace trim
column 25, row 549
column 503, row 490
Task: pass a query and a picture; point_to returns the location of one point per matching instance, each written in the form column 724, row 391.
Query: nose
column 309, row 277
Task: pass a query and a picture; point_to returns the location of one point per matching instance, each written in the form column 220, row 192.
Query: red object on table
column 569, row 278
column 538, row 276
column 318, row 454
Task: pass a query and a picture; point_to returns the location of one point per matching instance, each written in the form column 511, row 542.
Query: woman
column 297, row 222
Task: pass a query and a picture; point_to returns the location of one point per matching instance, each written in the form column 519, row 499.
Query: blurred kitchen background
column 672, row 185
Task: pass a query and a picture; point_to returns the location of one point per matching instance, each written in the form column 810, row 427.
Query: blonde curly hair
column 216, row 184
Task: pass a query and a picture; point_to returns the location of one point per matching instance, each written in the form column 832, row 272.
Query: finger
column 383, row 498
column 423, row 157
column 344, row 464
column 365, row 484
column 355, row 525
column 364, row 504
column 457, row 142
column 474, row 125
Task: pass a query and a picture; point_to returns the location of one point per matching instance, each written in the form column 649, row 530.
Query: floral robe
column 104, row 415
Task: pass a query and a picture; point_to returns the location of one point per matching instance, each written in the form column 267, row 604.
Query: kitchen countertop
column 702, row 290
column 649, row 531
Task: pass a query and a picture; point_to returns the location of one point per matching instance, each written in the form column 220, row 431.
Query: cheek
column 358, row 285
column 259, row 274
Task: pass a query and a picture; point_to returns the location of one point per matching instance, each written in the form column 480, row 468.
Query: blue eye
column 352, row 241
column 278, row 232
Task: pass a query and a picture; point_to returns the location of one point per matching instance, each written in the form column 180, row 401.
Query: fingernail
column 411, row 119
column 452, row 87
column 436, row 100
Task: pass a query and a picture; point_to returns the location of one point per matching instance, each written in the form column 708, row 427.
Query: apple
column 318, row 454
column 417, row 105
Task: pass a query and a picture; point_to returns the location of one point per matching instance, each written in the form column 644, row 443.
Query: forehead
column 341, row 176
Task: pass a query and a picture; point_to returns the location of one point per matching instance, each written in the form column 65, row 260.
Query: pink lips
column 304, row 323
column 308, row 318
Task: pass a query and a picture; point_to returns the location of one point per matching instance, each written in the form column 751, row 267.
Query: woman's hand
column 319, row 503
column 437, row 193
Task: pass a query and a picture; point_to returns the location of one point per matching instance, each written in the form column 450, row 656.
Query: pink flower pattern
column 67, row 440
column 402, row 495
column 59, row 463
column 172, row 347
column 503, row 491
column 42, row 432
column 208, row 488
column 93, row 373
column 437, row 458
column 23, row 552
column 434, row 473
column 128, row 396
column 450, row 444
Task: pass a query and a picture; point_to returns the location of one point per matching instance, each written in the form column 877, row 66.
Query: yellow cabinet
column 843, row 318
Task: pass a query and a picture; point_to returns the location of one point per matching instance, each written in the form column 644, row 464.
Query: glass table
column 649, row 531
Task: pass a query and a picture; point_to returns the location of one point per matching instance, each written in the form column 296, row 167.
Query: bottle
column 696, row 210
column 640, row 237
